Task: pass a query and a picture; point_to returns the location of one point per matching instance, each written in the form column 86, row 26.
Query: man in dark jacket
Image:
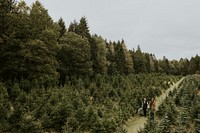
column 144, row 106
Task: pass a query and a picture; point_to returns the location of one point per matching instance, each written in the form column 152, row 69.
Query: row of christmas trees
column 180, row 112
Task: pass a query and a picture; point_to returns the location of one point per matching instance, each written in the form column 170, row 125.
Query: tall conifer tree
column 62, row 30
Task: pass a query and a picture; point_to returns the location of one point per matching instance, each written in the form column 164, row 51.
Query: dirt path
column 134, row 124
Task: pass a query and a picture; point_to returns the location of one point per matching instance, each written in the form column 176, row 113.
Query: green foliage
column 62, row 30
column 100, row 64
column 180, row 111
column 29, row 45
column 164, row 126
column 161, row 110
column 5, row 111
column 96, row 95
column 197, row 123
column 102, row 107
column 123, row 59
column 139, row 61
column 29, row 49
column 74, row 56
column 194, row 65
column 165, row 65
column 7, row 7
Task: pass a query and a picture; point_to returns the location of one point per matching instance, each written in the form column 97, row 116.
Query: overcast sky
column 168, row 28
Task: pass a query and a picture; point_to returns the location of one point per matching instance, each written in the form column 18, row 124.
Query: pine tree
column 112, row 66
column 197, row 123
column 75, row 55
column 129, row 66
column 73, row 27
column 31, row 39
column 6, row 9
column 6, row 6
column 175, row 67
column 4, row 102
column 150, row 62
column 184, row 116
column 194, row 65
column 164, row 65
column 40, row 20
column 161, row 110
column 35, row 52
column 139, row 61
column 171, row 112
column 83, row 29
column 156, row 64
column 14, row 36
column 184, row 64
column 164, row 126
column 123, row 58
column 62, row 30
column 180, row 128
column 101, row 63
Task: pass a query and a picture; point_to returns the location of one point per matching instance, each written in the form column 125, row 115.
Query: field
column 104, row 106
column 180, row 112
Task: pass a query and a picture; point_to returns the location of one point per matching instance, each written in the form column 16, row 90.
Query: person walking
column 144, row 106
column 152, row 108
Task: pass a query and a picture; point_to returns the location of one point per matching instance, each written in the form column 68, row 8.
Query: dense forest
column 58, row 78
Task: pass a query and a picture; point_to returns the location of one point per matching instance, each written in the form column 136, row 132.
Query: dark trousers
column 145, row 111
column 152, row 115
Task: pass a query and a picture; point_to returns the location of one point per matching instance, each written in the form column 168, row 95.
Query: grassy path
column 134, row 124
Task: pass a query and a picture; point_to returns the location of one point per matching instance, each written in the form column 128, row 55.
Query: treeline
column 180, row 112
column 33, row 46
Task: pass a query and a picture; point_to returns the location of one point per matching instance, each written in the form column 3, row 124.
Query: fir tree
column 194, row 65
column 6, row 6
column 83, row 29
column 101, row 63
column 73, row 27
column 75, row 55
column 164, row 126
column 197, row 123
column 62, row 30
column 139, row 61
